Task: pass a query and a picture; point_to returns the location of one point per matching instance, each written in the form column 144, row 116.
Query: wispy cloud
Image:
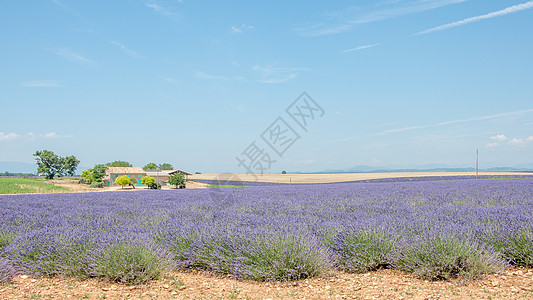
column 273, row 74
column 499, row 138
column 347, row 19
column 502, row 12
column 161, row 9
column 42, row 84
column 488, row 117
column 171, row 81
column 203, row 75
column 71, row 55
column 53, row 135
column 361, row 48
column 125, row 49
column 242, row 28
column 30, row 136
column 4, row 137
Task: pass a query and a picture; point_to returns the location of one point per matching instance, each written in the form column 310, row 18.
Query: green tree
column 119, row 163
column 87, row 175
column 133, row 181
column 178, row 179
column 99, row 172
column 148, row 180
column 150, row 166
column 166, row 166
column 122, row 180
column 70, row 164
column 51, row 165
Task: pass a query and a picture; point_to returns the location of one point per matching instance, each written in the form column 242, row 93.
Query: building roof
column 179, row 171
column 164, row 172
column 154, row 173
column 125, row 170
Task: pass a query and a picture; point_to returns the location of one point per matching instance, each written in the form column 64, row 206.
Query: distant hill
column 368, row 169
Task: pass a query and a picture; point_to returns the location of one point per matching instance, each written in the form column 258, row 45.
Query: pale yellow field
column 334, row 177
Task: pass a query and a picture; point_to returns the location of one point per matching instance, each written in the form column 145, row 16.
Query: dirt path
column 383, row 284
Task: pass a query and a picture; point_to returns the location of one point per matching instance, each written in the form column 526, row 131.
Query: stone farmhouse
column 160, row 176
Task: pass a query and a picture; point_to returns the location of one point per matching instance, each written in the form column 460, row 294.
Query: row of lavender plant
column 434, row 229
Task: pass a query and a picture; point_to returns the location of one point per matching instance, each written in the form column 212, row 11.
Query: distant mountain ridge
column 368, row 169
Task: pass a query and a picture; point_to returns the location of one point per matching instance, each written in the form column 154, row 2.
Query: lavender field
column 433, row 229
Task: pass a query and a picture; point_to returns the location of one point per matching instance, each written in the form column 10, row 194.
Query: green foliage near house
column 148, row 180
column 178, row 179
column 96, row 184
column 99, row 171
column 154, row 166
column 166, row 166
column 133, row 181
column 123, row 180
column 119, row 163
column 87, row 175
column 51, row 165
column 95, row 174
column 150, row 166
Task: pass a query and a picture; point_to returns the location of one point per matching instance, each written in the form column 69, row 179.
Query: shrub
column 97, row 184
column 446, row 257
column 262, row 257
column 519, row 248
column 6, row 271
column 363, row 251
column 154, row 186
column 130, row 264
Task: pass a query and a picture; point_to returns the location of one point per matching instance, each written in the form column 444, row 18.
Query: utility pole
column 477, row 162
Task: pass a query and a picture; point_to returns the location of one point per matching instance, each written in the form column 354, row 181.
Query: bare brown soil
column 382, row 284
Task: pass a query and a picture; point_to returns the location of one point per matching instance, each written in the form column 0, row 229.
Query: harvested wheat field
column 340, row 177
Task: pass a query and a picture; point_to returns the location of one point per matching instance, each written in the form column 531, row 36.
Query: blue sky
column 403, row 83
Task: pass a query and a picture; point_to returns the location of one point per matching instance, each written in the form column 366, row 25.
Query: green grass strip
column 27, row 186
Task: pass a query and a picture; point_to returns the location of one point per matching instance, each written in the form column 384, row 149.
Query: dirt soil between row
column 515, row 283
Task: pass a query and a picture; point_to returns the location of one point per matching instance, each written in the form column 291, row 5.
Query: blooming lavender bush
column 6, row 271
column 434, row 229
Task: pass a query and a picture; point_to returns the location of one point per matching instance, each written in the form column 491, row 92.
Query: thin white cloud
column 42, row 83
column 203, row 75
column 361, row 48
column 492, row 145
column 71, row 55
column 517, row 142
column 53, row 135
column 242, row 28
column 499, row 138
column 125, row 49
column 162, row 9
column 502, row 12
column 272, row 74
column 488, row 117
column 347, row 19
column 4, row 137
column 171, row 81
